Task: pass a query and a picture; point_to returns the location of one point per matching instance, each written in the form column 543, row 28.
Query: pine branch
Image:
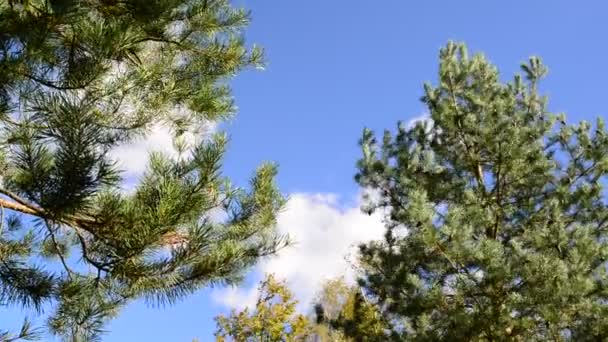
column 86, row 223
column 26, row 333
column 19, row 207
column 477, row 168
column 85, row 254
column 72, row 107
column 54, row 86
column 58, row 250
column 15, row 197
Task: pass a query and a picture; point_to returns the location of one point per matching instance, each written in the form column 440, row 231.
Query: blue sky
column 336, row 66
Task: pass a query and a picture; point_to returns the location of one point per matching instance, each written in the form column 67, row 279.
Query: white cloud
column 237, row 298
column 325, row 237
column 133, row 158
column 424, row 117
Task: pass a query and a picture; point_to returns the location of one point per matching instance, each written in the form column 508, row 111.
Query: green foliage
column 79, row 78
column 343, row 314
column 274, row 318
column 26, row 333
column 328, row 306
column 496, row 214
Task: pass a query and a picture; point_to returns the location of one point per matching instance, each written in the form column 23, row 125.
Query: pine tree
column 496, row 213
column 274, row 318
column 79, row 78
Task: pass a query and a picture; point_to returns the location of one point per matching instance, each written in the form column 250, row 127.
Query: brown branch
column 25, row 207
column 19, row 207
column 14, row 197
column 477, row 168
column 499, row 179
column 1, row 220
column 52, row 85
column 161, row 40
column 77, row 222
column 85, row 254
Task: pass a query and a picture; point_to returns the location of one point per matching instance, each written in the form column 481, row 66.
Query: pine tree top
column 496, row 213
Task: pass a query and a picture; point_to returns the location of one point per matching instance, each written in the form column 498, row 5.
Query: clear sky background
column 336, row 66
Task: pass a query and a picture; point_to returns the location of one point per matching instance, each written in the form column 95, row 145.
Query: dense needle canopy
column 78, row 78
column 497, row 217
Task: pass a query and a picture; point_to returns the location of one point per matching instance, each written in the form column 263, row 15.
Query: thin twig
column 59, row 252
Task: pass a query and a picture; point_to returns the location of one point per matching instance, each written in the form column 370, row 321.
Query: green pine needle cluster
column 79, row 78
